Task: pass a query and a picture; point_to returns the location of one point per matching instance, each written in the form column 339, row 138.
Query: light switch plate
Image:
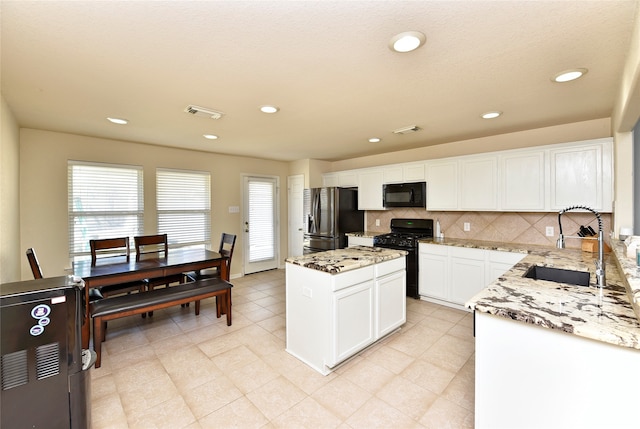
column 467, row 226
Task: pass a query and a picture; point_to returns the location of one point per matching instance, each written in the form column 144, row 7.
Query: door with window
column 260, row 225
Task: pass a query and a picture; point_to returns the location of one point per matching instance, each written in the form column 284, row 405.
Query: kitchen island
column 339, row 302
column 555, row 355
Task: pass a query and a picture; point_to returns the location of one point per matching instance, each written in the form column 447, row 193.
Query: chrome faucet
column 600, row 271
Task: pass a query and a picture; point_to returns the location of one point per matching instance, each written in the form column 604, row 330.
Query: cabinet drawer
column 389, row 267
column 433, row 249
column 463, row 252
column 353, row 277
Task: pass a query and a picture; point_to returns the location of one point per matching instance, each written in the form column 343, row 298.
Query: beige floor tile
column 252, row 376
column 368, row 375
column 276, row 397
column 341, row 396
column 138, row 373
column 428, row 376
column 234, row 358
column 211, row 396
column 239, row 414
column 390, row 358
column 376, row 413
column 189, row 368
column 444, row 414
column 148, row 394
column 107, row 412
column 407, row 397
column 307, row 414
column 172, row 414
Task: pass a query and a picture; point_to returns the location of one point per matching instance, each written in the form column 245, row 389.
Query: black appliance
column 44, row 383
column 405, row 195
column 329, row 213
column 404, row 235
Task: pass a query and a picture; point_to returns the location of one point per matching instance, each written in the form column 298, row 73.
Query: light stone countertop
column 365, row 234
column 600, row 314
column 341, row 260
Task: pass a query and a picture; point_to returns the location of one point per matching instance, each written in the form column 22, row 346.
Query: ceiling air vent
column 407, row 130
column 202, row 111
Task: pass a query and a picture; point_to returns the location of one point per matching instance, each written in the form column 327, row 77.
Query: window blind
column 184, row 207
column 261, row 220
column 104, row 201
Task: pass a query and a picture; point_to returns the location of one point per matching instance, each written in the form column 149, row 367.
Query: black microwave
column 405, row 195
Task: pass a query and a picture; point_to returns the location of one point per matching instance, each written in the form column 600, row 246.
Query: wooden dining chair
column 114, row 250
column 155, row 247
column 34, row 264
column 227, row 244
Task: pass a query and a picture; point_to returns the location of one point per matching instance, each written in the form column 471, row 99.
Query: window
column 184, row 207
column 105, row 201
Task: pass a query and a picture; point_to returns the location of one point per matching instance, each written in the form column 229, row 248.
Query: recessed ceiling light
column 491, row 115
column 210, row 136
column 374, row 140
column 569, row 75
column 269, row 109
column 118, row 121
column 407, row 41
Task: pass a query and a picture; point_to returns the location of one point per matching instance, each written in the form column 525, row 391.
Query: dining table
column 119, row 271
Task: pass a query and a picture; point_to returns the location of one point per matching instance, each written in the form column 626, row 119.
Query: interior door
column 295, row 187
column 260, row 225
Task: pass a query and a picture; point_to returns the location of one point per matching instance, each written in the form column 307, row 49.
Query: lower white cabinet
column 452, row 275
column 331, row 317
column 359, row 241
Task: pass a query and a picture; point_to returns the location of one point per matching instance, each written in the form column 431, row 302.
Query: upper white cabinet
column 342, row 179
column 522, row 179
column 442, row 185
column 404, row 173
column 392, row 174
column 479, row 183
column 581, row 175
column 370, row 190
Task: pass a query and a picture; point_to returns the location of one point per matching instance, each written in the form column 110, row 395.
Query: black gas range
column 405, row 235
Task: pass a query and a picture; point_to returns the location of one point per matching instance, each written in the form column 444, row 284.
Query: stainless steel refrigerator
column 329, row 213
column 44, row 371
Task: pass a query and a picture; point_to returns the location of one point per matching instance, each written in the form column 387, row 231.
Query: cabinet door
column 467, row 278
column 330, row 180
column 391, row 300
column 413, row 173
column 499, row 263
column 576, row 177
column 370, row 190
column 433, row 275
column 348, row 179
column 479, row 184
column 523, row 181
column 359, row 241
column 393, row 174
column 353, row 321
column 442, row 186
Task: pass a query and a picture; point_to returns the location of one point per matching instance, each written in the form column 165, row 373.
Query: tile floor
column 175, row 370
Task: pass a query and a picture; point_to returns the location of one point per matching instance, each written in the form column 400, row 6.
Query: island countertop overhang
column 350, row 258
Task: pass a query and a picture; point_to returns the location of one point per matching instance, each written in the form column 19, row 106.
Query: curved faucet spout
column 600, row 270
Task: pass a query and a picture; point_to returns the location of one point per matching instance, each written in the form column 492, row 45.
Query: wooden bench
column 127, row 305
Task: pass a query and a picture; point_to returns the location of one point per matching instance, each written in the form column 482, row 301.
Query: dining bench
column 128, row 305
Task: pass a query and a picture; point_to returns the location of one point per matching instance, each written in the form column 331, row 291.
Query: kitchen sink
column 558, row 275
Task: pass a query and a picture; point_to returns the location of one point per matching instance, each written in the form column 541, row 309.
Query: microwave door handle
column 412, row 197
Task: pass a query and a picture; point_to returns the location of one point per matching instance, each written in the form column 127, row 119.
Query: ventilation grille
column 407, row 130
column 47, row 360
column 203, row 111
column 14, row 369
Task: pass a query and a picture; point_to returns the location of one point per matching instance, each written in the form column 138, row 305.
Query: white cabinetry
column 359, row 241
column 404, row 173
column 442, row 185
column 523, row 181
column 342, row 179
column 479, row 183
column 370, row 190
column 331, row 317
column 452, row 275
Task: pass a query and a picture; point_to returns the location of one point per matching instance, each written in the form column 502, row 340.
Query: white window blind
column 184, row 207
column 261, row 220
column 105, row 201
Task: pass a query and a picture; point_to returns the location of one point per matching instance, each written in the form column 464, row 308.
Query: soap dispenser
column 437, row 228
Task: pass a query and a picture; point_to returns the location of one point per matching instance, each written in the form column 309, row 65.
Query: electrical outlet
column 467, row 226
column 377, row 222
column 549, row 231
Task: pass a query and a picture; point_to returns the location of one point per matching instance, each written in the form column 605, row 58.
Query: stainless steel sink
column 558, row 275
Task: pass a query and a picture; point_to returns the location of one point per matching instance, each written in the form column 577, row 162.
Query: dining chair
column 227, row 244
column 155, row 247
column 34, row 264
column 94, row 294
column 114, row 250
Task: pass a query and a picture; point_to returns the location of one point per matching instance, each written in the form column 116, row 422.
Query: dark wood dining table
column 119, row 271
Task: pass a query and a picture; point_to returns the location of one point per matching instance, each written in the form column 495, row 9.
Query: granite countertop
column 605, row 314
column 341, row 260
column 365, row 234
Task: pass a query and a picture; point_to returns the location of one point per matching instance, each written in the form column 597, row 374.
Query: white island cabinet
column 331, row 317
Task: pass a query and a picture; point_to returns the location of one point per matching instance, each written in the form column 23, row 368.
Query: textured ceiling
column 68, row 65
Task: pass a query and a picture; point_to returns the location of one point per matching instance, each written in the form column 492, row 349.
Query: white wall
column 10, row 250
column 43, row 189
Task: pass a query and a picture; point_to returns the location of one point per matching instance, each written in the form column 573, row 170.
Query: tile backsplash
column 510, row 227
